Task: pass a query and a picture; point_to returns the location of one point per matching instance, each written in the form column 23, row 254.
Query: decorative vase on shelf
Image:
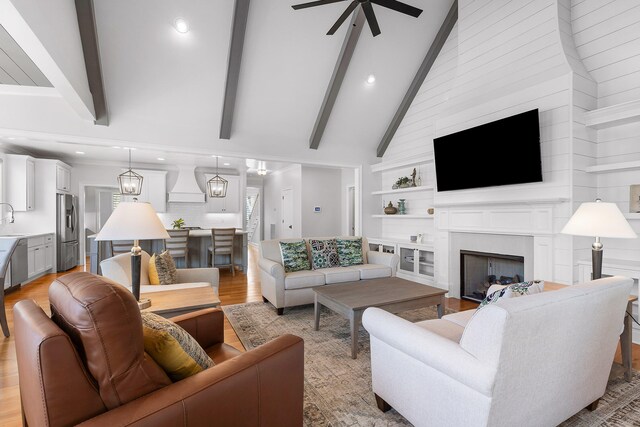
column 401, row 207
column 390, row 209
column 394, row 187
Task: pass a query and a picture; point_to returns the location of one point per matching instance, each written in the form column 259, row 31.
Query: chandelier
column 130, row 182
column 217, row 186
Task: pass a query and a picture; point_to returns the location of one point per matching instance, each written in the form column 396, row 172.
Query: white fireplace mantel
column 530, row 220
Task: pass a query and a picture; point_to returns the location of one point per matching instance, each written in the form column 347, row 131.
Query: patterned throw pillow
column 324, row 254
column 177, row 352
column 166, row 269
column 294, row 256
column 514, row 290
column 350, row 252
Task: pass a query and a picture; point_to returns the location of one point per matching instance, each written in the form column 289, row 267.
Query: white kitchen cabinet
column 63, row 178
column 154, row 189
column 228, row 204
column 21, row 182
column 31, row 262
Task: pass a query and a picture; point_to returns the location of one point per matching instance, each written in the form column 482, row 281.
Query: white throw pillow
column 499, row 292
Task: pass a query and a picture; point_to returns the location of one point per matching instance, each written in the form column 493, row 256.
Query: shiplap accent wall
column 607, row 38
column 584, row 140
column 503, row 58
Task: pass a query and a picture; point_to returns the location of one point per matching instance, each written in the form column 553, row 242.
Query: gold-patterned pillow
column 166, row 268
column 177, row 352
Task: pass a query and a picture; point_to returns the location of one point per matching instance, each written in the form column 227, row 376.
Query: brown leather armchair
column 87, row 365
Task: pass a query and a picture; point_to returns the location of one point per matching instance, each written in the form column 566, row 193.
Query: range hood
column 186, row 189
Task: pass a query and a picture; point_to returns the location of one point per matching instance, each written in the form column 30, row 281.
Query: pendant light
column 217, row 186
column 130, row 182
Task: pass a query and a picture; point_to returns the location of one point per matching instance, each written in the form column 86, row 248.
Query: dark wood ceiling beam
column 421, row 75
column 340, row 70
column 89, row 37
column 238, row 29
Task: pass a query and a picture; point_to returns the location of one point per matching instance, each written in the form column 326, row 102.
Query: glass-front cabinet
column 416, row 263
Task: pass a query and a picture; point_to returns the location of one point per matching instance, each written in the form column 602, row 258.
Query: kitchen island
column 199, row 243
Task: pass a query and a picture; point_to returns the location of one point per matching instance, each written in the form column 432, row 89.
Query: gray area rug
column 338, row 388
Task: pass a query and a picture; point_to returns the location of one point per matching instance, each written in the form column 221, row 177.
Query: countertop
column 24, row 235
column 205, row 232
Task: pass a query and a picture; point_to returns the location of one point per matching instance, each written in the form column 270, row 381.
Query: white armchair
column 118, row 269
column 529, row 361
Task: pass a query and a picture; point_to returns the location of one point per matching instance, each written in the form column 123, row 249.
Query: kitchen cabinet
column 154, row 189
column 21, row 182
column 228, row 204
column 63, row 178
column 40, row 254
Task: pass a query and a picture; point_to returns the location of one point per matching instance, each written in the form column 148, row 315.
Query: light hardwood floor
column 233, row 290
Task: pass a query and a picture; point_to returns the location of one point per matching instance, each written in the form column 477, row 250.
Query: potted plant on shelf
column 178, row 224
column 402, row 182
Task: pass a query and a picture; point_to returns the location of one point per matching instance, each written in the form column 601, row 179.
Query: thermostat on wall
column 317, row 209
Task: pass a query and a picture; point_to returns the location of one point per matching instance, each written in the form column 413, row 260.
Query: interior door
column 287, row 230
column 351, row 211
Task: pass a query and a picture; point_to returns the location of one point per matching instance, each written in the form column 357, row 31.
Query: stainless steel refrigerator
column 67, row 231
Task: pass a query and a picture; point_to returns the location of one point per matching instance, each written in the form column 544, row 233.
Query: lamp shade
column 133, row 221
column 599, row 219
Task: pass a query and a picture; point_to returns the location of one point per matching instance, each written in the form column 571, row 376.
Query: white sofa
column 528, row 361
column 291, row 289
column 118, row 269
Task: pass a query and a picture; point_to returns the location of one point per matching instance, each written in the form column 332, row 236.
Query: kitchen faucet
column 11, row 218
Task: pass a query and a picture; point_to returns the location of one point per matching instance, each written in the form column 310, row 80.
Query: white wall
column 503, row 58
column 607, row 37
column 321, row 187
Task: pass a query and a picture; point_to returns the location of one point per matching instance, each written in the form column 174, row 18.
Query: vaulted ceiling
column 165, row 90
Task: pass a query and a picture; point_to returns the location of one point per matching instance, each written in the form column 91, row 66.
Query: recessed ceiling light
column 161, row 158
column 227, row 164
column 79, row 152
column 371, row 79
column 115, row 146
column 181, row 25
column 11, row 138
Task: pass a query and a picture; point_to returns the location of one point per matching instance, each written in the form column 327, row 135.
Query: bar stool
column 121, row 247
column 178, row 245
column 222, row 244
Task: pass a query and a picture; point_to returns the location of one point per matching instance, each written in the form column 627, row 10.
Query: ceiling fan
column 368, row 11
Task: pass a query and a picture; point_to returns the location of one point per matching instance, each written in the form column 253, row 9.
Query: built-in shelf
column 403, row 190
column 611, row 167
column 614, row 115
column 399, row 164
column 406, row 216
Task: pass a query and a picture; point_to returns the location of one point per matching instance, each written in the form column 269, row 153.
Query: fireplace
column 479, row 270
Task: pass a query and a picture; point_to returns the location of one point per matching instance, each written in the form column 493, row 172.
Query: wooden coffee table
column 181, row 301
column 392, row 294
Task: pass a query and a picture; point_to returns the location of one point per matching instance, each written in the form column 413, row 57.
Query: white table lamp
column 133, row 221
column 598, row 219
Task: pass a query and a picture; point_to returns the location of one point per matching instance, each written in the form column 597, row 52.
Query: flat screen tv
column 503, row 152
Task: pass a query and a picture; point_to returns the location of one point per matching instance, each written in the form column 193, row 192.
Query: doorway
column 287, row 230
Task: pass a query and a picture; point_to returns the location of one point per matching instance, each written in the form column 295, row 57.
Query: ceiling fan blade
column 399, row 7
column 314, row 3
column 343, row 17
column 371, row 18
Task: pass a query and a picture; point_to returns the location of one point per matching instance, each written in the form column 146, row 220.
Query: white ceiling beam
column 33, row 25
